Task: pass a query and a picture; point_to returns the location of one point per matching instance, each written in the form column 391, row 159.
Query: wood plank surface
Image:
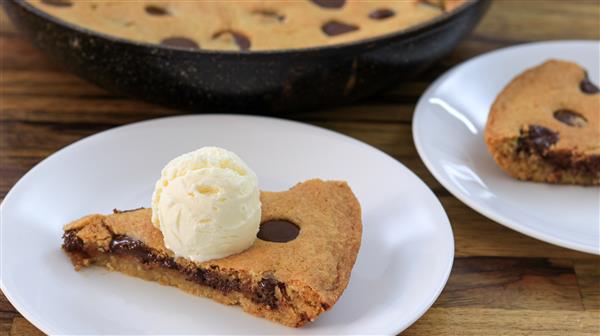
column 487, row 321
column 502, row 282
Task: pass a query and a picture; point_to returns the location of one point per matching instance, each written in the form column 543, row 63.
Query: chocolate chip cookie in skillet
column 246, row 25
column 545, row 126
column 296, row 269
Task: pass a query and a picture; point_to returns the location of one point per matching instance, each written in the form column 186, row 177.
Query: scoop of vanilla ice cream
column 207, row 204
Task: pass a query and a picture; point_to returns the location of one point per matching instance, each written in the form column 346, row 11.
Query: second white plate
column 448, row 130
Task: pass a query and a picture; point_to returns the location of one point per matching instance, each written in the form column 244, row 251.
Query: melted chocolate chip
column 262, row 293
column 586, row 86
column 168, row 263
column 334, row 28
column 265, row 292
column 125, row 245
column 180, row 42
column 278, row 231
column 241, row 40
column 570, row 118
column 536, row 139
column 566, row 160
column 381, row 14
column 270, row 14
column 156, row 10
column 560, row 159
column 58, row 3
column 213, row 280
column 590, row 165
column 329, row 3
column 72, row 243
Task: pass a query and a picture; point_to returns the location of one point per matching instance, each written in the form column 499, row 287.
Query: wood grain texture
column 512, row 283
column 487, row 321
column 588, row 279
column 502, row 282
column 22, row 327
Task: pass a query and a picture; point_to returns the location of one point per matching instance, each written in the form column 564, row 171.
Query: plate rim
column 473, row 204
column 445, row 222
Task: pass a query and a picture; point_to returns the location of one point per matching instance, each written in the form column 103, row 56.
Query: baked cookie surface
column 246, row 25
column 545, row 126
column 291, row 279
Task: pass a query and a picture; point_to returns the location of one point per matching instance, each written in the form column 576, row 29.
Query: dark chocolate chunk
column 127, row 246
column 278, row 231
column 169, row 263
column 124, row 245
column 213, row 280
column 586, row 86
column 180, row 42
column 262, row 293
column 591, row 164
column 241, row 40
column 72, row 243
column 58, row 3
column 329, row 3
column 566, row 160
column 381, row 14
column 570, row 118
column 156, row 10
column 334, row 28
column 536, row 139
column 270, row 14
column 283, row 289
column 265, row 292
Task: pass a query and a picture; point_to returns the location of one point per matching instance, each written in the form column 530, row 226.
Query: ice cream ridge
column 207, row 204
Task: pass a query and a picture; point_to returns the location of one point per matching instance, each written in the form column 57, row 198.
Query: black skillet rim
column 370, row 43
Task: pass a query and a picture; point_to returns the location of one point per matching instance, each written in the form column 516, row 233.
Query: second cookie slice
column 545, row 126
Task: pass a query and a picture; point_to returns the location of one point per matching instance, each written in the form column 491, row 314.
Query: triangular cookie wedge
column 288, row 282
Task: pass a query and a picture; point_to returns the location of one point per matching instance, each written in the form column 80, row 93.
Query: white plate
column 448, row 132
column 404, row 261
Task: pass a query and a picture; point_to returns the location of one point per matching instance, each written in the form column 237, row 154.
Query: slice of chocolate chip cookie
column 297, row 268
column 545, row 126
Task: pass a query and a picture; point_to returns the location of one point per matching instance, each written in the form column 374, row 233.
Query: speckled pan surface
column 246, row 82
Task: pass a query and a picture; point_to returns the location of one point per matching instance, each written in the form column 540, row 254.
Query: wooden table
column 502, row 283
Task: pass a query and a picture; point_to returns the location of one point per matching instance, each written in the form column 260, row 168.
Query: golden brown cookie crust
column 315, row 267
column 267, row 25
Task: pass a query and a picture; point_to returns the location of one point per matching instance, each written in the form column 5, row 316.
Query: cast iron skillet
column 245, row 82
